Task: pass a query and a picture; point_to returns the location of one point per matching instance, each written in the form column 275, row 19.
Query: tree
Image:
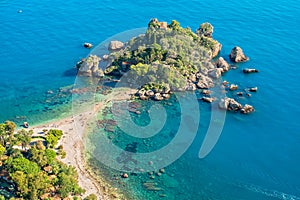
column 10, row 127
column 24, row 137
column 50, row 155
column 53, row 136
column 21, row 180
column 24, row 165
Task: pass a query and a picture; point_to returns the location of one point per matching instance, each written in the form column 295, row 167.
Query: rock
column 247, row 71
column 190, row 87
column 233, row 87
column 216, row 49
column 125, row 175
column 253, row 89
column 166, row 96
column 208, row 99
column 225, row 83
column 229, row 104
column 247, row 109
column 215, row 73
column 205, row 82
column 233, row 67
column 143, row 97
column 115, row 45
column 89, row 66
column 149, row 93
column 237, row 55
column 99, row 73
column 221, row 63
column 206, row 92
column 239, row 93
column 205, row 29
column 166, row 89
column 193, row 78
column 87, row 45
column 162, row 170
column 105, row 57
column 158, row 97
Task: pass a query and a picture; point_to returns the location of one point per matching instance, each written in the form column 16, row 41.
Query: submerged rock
column 237, row 55
column 208, row 99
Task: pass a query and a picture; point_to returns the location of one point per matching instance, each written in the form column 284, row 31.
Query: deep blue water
column 257, row 156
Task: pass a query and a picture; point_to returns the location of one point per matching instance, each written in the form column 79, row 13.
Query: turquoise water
column 257, row 156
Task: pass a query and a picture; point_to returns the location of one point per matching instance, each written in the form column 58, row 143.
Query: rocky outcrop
column 216, row 48
column 229, row 104
column 215, row 73
column 190, row 86
column 247, row 109
column 237, row 55
column 115, row 45
column 221, row 63
column 89, row 67
column 247, row 71
column 154, row 94
column 204, row 82
column 205, row 29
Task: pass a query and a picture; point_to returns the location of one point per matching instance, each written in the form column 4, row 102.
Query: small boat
column 25, row 124
column 87, row 45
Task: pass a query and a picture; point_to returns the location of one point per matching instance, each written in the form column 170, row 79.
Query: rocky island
column 167, row 58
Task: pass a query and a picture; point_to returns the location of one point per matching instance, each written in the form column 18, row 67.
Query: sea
column 257, row 156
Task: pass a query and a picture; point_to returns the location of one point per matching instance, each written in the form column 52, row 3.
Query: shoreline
column 74, row 130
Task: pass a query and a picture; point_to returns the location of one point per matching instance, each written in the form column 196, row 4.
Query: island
column 47, row 161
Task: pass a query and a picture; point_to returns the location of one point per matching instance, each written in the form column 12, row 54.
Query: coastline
column 74, row 130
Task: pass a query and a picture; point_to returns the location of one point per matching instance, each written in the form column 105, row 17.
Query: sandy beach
column 74, row 128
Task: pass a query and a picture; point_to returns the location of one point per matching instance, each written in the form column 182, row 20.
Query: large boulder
column 237, row 55
column 115, row 45
column 221, row 63
column 89, row 66
column 229, row 104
